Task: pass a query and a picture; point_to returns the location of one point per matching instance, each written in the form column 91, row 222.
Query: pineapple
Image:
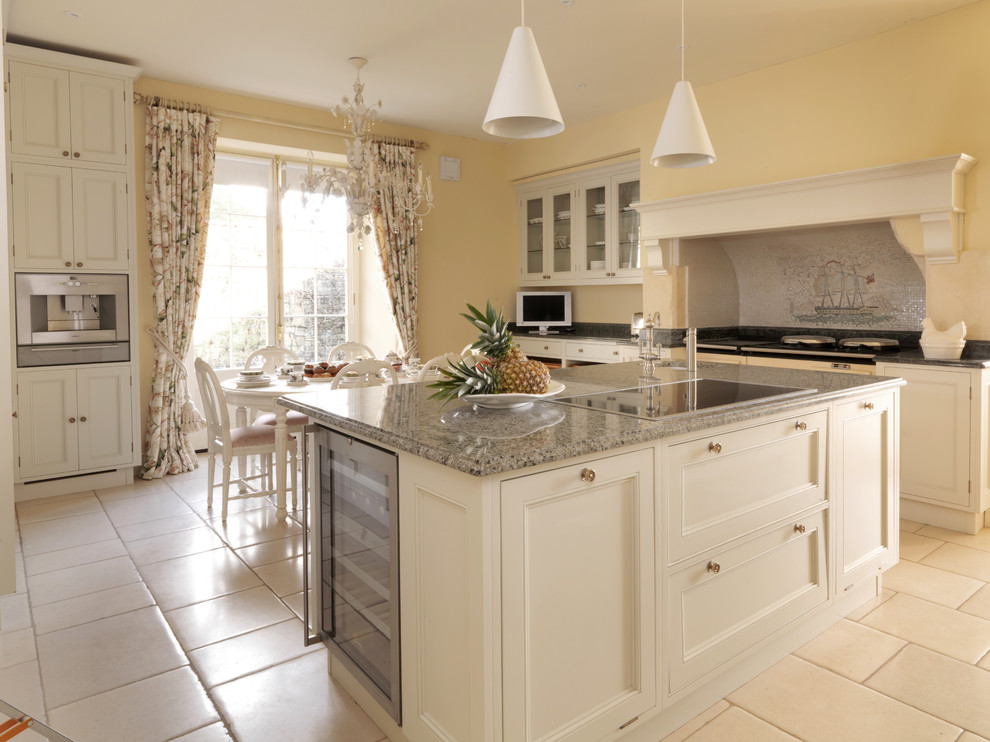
column 509, row 371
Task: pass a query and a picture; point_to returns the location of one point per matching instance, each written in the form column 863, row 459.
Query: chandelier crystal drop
column 360, row 181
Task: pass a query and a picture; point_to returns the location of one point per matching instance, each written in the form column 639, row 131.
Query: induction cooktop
column 654, row 401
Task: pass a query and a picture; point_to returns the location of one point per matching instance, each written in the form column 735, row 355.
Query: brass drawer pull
column 799, row 528
column 800, row 425
column 715, row 448
column 868, row 405
column 714, row 567
column 588, row 475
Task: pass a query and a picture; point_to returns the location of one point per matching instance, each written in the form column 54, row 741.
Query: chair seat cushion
column 293, row 419
column 252, row 435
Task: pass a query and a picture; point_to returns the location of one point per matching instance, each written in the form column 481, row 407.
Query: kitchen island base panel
column 943, row 517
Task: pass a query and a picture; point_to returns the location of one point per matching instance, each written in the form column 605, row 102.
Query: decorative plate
column 512, row 401
column 247, row 383
column 321, row 378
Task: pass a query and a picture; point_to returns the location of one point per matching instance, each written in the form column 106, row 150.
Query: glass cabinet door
column 627, row 253
column 595, row 228
column 532, row 242
column 561, row 248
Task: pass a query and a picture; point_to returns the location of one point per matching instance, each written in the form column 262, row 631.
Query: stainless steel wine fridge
column 358, row 485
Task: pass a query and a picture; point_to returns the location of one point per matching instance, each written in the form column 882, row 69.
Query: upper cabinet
column 66, row 115
column 581, row 229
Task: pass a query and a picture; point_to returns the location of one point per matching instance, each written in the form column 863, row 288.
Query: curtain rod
column 595, row 161
column 141, row 99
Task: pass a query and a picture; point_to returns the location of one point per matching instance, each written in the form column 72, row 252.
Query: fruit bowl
column 511, row 401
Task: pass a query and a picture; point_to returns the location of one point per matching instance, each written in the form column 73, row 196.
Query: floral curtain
column 395, row 232
column 180, row 153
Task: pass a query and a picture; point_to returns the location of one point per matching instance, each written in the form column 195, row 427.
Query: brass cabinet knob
column 72, row 419
column 799, row 528
column 868, row 405
column 82, row 419
column 800, row 425
column 715, row 448
column 714, row 567
column 68, row 263
column 79, row 264
column 588, row 475
column 75, row 154
column 65, row 153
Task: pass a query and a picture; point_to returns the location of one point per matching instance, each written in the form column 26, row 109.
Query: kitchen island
column 584, row 571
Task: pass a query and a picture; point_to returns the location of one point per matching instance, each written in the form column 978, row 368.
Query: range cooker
column 842, row 352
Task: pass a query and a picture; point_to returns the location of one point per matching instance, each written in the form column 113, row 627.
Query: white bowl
column 943, row 351
column 596, row 265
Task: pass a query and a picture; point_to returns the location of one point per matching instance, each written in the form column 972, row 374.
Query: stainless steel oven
column 66, row 318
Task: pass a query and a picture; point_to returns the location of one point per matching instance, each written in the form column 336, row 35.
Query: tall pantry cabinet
column 70, row 180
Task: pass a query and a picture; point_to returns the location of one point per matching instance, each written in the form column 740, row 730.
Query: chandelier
column 360, row 181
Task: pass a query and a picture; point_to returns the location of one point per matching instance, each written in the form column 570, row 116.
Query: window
column 277, row 270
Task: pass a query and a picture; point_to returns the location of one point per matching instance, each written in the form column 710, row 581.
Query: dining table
column 262, row 397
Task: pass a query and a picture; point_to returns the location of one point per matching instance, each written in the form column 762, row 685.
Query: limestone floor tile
column 936, row 585
column 816, row 705
column 230, row 615
column 191, row 579
column 20, row 686
column 213, row 733
column 985, row 662
column 63, row 533
column 910, row 525
column 156, row 709
column 979, row 604
column 91, row 607
column 15, row 612
column 270, row 552
column 211, row 513
column 932, row 682
column 139, row 488
column 970, row 737
column 171, row 545
column 284, row 578
column 159, row 526
column 232, row 658
column 85, row 660
column 870, row 605
column 297, row 700
column 17, row 647
column 739, row 726
column 295, row 604
column 127, row 511
column 254, row 527
column 914, row 547
column 961, row 560
column 190, row 490
column 851, row 649
column 980, row 540
column 49, row 508
column 72, row 582
column 74, row 557
column 941, row 629
column 686, row 730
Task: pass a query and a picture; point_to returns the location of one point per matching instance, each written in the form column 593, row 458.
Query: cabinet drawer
column 726, row 602
column 597, row 352
column 540, row 348
column 721, row 487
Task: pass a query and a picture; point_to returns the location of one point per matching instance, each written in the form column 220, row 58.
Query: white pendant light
column 683, row 140
column 522, row 104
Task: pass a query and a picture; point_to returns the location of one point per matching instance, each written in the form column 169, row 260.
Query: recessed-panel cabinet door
column 47, row 424
column 39, row 111
column 41, row 206
column 579, row 625
column 99, row 208
column 104, row 416
column 97, row 106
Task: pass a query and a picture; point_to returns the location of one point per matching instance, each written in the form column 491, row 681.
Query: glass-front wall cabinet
column 581, row 232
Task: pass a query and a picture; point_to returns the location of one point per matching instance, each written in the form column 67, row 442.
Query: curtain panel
column 397, row 239
column 180, row 154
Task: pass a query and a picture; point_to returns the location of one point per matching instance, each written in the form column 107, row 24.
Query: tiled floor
column 139, row 617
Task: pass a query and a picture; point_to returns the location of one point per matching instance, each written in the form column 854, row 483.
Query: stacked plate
column 599, row 209
column 253, row 377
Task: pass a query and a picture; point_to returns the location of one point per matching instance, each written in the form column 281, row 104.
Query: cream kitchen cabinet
column 545, row 348
column 579, row 628
column 837, row 366
column 944, row 440
column 580, row 230
column 864, row 488
column 69, row 217
column 570, row 352
column 66, row 114
column 73, row 420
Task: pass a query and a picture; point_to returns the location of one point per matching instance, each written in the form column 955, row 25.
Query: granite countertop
column 975, row 355
column 484, row 441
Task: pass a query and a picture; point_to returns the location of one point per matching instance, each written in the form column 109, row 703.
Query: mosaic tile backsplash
column 850, row 276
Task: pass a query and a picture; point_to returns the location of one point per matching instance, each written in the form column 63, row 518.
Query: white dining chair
column 228, row 442
column 350, row 351
column 363, row 373
column 272, row 357
column 429, row 370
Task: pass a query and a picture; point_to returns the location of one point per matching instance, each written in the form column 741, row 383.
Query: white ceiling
column 433, row 63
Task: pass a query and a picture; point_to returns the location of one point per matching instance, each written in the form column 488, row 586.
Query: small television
column 543, row 310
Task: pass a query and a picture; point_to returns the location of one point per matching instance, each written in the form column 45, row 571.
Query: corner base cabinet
column 615, row 595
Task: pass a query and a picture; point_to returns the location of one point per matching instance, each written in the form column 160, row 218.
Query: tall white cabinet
column 70, row 163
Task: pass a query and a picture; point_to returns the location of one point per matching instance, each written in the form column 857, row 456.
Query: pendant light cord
column 522, row 12
column 682, row 40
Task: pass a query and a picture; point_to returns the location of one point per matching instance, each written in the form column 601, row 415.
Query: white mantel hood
column 927, row 190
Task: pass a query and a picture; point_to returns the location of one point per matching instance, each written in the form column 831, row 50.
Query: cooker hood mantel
column 929, row 191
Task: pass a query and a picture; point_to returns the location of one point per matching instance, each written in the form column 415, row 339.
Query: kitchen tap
column 691, row 341
column 652, row 351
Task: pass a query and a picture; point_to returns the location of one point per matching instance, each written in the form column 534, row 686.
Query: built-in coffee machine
column 68, row 319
